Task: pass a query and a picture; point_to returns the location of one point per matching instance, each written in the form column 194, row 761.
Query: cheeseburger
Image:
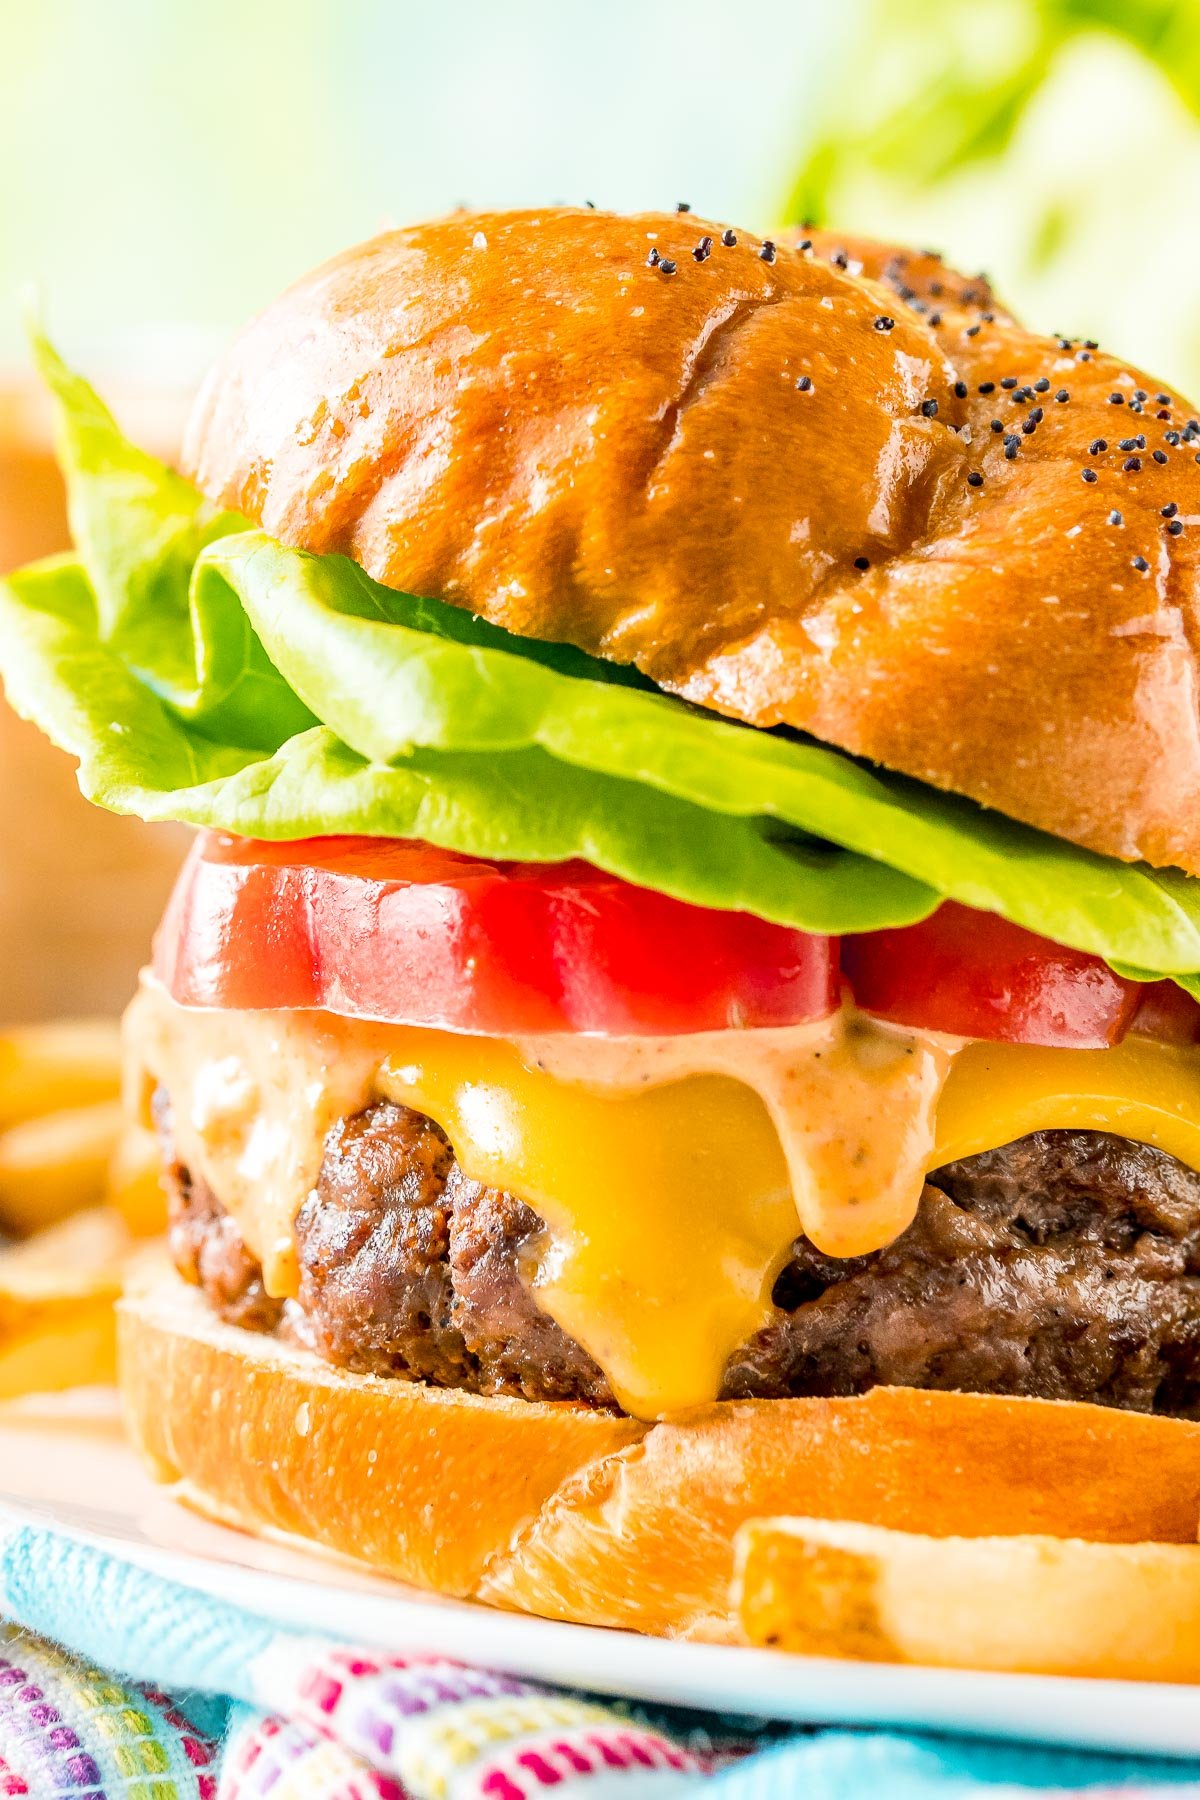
column 682, row 1006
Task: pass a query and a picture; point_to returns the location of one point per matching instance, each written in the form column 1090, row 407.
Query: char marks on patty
column 205, row 1243
column 1065, row 1266
column 407, row 1267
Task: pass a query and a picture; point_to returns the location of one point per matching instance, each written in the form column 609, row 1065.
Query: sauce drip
column 672, row 1174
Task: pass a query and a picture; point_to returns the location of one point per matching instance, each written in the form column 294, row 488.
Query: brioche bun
column 517, row 413
column 553, row 1509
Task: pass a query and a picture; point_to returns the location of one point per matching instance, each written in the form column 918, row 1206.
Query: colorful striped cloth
column 67, row 1728
column 115, row 1685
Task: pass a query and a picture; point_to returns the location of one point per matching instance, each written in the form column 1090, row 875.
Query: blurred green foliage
column 1059, row 140
column 962, row 107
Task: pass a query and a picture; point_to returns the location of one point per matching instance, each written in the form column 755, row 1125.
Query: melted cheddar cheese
column 1141, row 1090
column 672, row 1174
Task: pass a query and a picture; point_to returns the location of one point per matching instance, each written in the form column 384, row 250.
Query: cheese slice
column 1141, row 1090
column 672, row 1174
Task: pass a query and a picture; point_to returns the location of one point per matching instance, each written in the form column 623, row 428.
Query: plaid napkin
column 116, row 1685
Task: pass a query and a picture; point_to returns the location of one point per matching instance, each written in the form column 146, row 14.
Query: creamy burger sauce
column 672, row 1173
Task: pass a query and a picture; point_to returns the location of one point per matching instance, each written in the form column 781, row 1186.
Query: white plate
column 51, row 1452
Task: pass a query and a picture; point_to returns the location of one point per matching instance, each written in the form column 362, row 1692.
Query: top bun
column 754, row 472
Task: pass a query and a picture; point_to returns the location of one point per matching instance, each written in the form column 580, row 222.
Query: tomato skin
column 203, row 947
column 1167, row 1013
column 974, row 975
column 385, row 929
column 391, row 930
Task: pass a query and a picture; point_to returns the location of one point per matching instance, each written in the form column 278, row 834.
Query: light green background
column 180, row 162
column 169, row 163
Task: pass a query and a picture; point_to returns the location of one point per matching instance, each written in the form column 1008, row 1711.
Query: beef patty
column 1065, row 1265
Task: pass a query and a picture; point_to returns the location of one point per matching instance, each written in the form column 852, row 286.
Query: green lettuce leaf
column 138, row 528
column 199, row 670
column 378, row 668
column 139, row 754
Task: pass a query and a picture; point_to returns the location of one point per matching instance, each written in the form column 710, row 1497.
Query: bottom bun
column 551, row 1508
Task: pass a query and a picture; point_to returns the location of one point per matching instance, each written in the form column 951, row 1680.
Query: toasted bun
column 516, row 413
column 573, row 1514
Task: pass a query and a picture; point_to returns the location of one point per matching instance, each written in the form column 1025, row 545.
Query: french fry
column 63, row 1144
column 134, row 1181
column 1038, row 1605
column 57, row 1292
column 63, row 1150
column 62, row 1065
column 56, row 1165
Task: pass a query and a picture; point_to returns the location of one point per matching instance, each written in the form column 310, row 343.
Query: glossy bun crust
column 547, row 1507
column 750, row 475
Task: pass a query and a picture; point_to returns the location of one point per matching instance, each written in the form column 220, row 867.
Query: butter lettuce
column 199, row 670
column 140, row 753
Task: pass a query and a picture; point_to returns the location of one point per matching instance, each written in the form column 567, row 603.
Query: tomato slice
column 389, row 929
column 974, row 975
column 1167, row 1013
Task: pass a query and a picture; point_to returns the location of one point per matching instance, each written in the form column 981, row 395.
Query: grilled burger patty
column 1065, row 1265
